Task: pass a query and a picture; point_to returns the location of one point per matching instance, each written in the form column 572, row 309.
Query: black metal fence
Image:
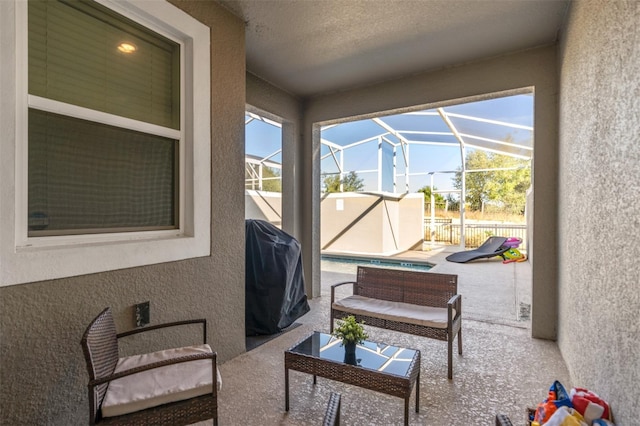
column 474, row 234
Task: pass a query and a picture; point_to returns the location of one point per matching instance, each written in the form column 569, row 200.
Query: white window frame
column 26, row 259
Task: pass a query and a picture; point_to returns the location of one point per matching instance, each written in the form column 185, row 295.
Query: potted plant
column 351, row 333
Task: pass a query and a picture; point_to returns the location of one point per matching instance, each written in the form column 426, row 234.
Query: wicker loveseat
column 421, row 303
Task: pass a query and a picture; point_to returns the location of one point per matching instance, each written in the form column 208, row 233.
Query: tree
column 426, row 190
column 454, row 203
column 271, row 185
column 350, row 183
column 504, row 187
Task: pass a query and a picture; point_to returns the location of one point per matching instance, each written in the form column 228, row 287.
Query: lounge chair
column 494, row 246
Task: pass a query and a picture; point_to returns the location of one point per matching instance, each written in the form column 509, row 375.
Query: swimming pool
column 349, row 265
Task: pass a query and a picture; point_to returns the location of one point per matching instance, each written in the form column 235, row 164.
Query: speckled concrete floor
column 502, row 368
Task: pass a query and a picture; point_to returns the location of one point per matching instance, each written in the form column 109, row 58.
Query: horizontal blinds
column 74, row 58
column 86, row 177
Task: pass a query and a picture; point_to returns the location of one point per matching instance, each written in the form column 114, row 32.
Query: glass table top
column 371, row 355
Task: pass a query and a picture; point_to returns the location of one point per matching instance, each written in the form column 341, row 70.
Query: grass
column 492, row 217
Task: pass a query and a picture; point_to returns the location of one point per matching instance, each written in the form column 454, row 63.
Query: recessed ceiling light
column 127, row 48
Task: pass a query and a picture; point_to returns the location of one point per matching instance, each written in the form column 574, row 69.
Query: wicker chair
column 332, row 415
column 100, row 347
column 503, row 420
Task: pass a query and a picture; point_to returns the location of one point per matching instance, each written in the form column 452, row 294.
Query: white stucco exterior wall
column 371, row 223
column 599, row 202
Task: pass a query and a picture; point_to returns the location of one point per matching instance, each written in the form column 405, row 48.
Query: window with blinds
column 104, row 122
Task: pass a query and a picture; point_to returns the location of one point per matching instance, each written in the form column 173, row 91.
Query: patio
column 584, row 68
column 502, row 368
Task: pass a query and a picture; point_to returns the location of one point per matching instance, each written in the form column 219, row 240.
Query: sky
column 263, row 139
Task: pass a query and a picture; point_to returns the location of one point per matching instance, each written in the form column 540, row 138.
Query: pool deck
column 491, row 291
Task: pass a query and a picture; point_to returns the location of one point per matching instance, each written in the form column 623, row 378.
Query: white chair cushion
column 159, row 385
column 394, row 311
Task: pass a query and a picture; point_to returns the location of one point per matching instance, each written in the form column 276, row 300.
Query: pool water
column 350, row 265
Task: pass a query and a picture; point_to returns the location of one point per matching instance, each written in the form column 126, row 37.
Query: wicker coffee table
column 384, row 368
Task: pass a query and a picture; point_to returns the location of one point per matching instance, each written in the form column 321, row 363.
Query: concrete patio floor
column 502, row 368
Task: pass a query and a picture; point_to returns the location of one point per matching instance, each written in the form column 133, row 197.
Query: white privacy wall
column 599, row 202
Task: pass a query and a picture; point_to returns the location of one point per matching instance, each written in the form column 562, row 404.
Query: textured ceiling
column 311, row 47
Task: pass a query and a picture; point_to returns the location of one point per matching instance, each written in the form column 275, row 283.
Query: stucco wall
column 43, row 375
column 411, row 219
column 349, row 225
column 264, row 206
column 535, row 68
column 370, row 223
column 599, row 202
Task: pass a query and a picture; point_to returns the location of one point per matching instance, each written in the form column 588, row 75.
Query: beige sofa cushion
column 394, row 311
column 159, row 385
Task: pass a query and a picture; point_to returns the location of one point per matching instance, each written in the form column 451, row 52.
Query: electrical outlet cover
column 142, row 314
